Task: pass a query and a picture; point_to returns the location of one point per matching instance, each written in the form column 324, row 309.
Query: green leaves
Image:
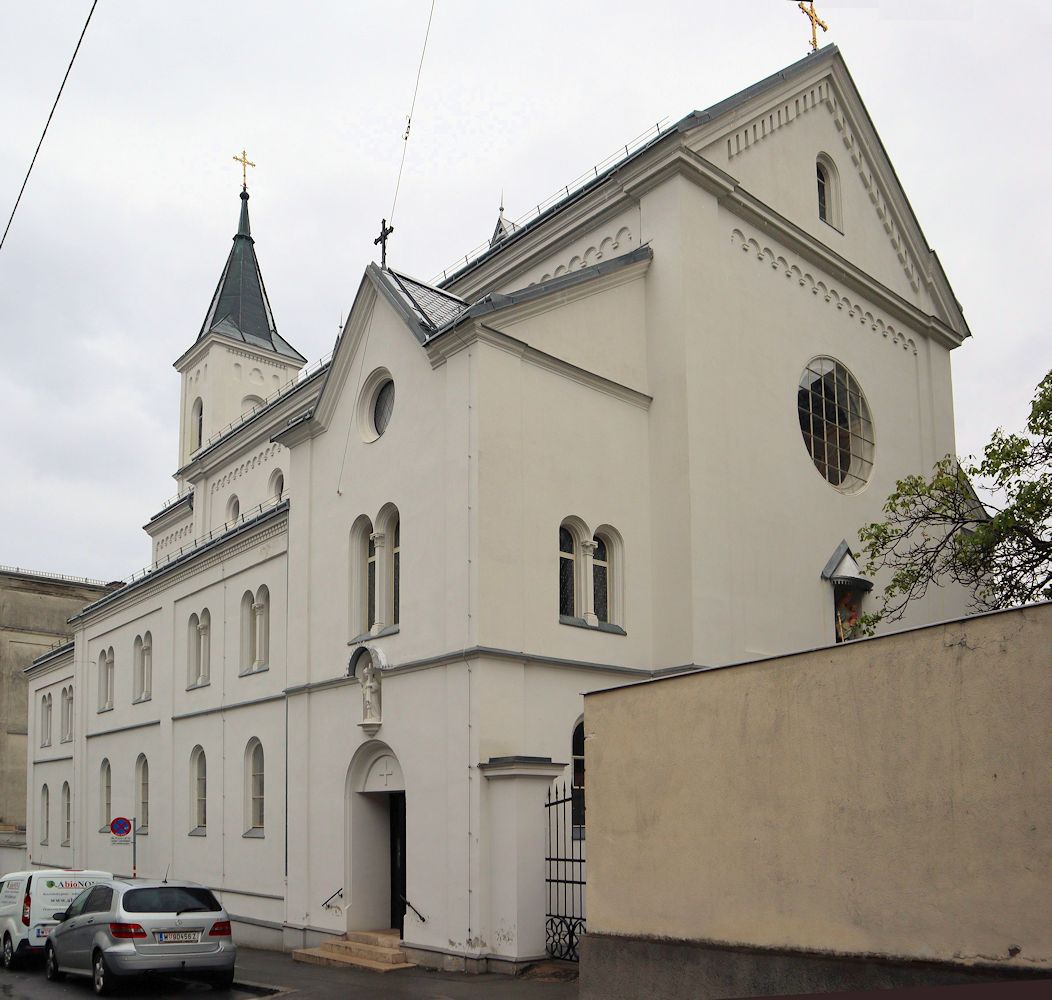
column 937, row 530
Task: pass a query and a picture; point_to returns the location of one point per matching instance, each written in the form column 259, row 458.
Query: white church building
column 638, row 434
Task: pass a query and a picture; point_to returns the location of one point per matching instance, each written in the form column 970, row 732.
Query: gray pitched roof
column 240, row 308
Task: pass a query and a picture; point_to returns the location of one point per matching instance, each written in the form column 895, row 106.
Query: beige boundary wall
column 884, row 800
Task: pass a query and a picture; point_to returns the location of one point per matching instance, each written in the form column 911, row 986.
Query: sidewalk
column 275, row 968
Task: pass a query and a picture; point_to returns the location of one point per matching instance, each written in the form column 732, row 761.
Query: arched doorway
column 375, row 861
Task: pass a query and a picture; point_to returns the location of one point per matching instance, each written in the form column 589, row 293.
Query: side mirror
column 60, row 916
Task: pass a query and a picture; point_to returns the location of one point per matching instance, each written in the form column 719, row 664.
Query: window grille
column 567, row 604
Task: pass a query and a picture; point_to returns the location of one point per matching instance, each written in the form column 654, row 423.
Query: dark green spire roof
column 240, row 308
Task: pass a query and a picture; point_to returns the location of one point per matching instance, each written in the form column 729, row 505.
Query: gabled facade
column 627, row 440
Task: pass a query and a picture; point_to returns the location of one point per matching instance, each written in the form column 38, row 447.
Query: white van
column 28, row 904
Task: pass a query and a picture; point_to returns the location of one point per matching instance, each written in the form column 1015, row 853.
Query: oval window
column 383, row 407
column 835, row 424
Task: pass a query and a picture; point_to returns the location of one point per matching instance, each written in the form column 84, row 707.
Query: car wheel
column 51, row 969
column 8, row 956
column 101, row 977
column 223, row 981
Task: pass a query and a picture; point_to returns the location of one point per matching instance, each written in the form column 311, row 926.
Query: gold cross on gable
column 245, row 164
column 816, row 21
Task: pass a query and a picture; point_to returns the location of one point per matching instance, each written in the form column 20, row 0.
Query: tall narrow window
column 204, row 647
column 233, row 508
column 147, row 666
column 45, row 815
column 567, row 603
column 371, row 584
column 67, row 732
column 577, row 784
column 396, row 571
column 828, row 181
column 105, row 795
column 45, row 722
column 193, row 652
column 64, row 717
column 197, row 425
column 601, row 580
column 142, row 782
column 823, row 208
column 262, row 611
column 199, row 790
column 254, row 786
column 137, row 669
column 67, row 815
column 248, row 632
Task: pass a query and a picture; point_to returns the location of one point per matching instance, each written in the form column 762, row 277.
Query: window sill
column 66, row 739
column 366, row 636
column 832, row 225
column 142, row 831
column 104, row 829
column 256, row 833
column 141, row 699
column 254, row 670
column 43, row 843
column 64, row 843
column 105, row 708
column 601, row 627
column 198, row 684
column 198, row 831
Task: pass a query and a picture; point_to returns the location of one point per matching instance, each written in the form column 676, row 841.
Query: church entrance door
column 375, row 867
column 396, row 805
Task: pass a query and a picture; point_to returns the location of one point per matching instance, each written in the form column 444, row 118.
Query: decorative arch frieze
column 609, row 246
column 851, row 308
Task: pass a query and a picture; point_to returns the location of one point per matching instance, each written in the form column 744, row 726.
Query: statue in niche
column 370, row 681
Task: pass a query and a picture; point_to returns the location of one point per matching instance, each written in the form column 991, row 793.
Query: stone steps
column 378, row 951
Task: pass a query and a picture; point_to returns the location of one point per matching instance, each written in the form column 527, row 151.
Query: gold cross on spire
column 816, row 22
column 245, row 164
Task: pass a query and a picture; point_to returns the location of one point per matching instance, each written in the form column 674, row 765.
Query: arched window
column 105, row 796
column 567, row 573
column 250, row 402
column 45, row 814
column 828, row 181
column 601, row 580
column 385, row 568
column 396, row 572
column 255, row 630
column 67, row 815
column 193, row 651
column 197, row 425
column 137, row 669
column 142, row 792
column 233, row 508
column 198, row 790
column 608, row 573
column 204, row 648
column 254, row 787
column 362, row 565
column 147, row 667
column 277, row 484
column 577, row 782
column 67, row 714
column 106, row 679
column 45, row 721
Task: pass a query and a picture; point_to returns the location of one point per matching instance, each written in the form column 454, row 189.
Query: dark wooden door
column 397, row 806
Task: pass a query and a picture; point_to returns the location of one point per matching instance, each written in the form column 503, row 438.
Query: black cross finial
column 381, row 241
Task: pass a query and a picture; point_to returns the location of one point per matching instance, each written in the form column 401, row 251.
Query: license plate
column 171, row 937
column 43, row 932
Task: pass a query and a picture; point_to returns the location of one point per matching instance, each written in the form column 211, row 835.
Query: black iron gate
column 564, row 871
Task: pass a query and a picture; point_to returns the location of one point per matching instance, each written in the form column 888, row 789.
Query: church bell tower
column 238, row 360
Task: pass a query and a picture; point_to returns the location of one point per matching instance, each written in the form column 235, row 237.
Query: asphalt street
column 269, row 973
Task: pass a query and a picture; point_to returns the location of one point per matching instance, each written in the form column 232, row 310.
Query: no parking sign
column 120, row 830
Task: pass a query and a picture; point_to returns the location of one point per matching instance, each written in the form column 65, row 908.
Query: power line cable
column 49, row 117
column 412, row 108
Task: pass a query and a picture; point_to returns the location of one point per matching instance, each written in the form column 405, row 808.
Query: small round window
column 383, row 405
column 835, row 424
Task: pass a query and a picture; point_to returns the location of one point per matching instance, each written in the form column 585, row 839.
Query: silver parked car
column 121, row 928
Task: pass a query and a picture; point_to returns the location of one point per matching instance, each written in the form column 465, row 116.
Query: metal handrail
column 621, row 154
column 423, row 919
column 338, row 892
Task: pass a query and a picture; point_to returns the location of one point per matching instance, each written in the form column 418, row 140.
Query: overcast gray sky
column 127, row 219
